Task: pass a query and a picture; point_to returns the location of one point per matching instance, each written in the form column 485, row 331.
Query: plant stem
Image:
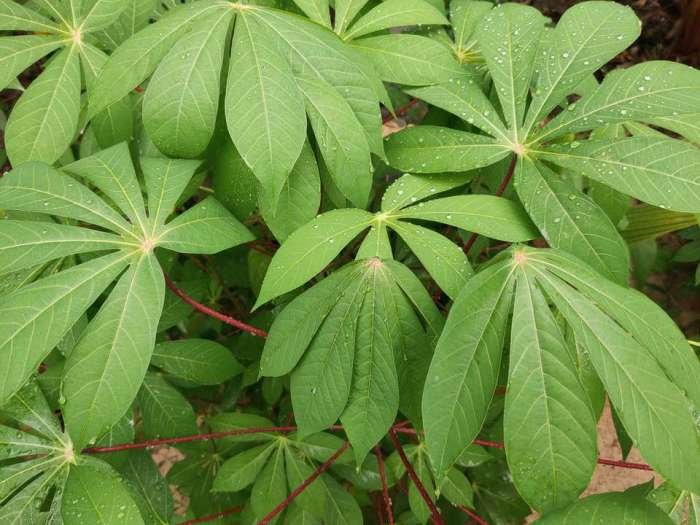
column 212, row 517
column 501, row 189
column 385, row 486
column 185, row 439
column 301, row 488
column 213, row 313
column 435, row 513
column 473, row 515
column 623, row 464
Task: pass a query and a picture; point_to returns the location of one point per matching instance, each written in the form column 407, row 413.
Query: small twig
column 185, row 439
column 308, row 481
column 473, row 515
column 623, row 464
column 434, row 512
column 213, row 517
column 385, row 486
column 400, row 111
column 500, row 191
column 213, row 313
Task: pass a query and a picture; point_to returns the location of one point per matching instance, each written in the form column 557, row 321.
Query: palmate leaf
column 660, row 171
column 97, row 495
column 264, row 106
column 395, row 13
column 352, row 335
column 545, row 401
column 586, row 37
column 100, row 14
column 464, row 369
column 653, row 404
column 508, row 39
column 18, row 53
column 105, row 369
column 571, row 221
column 410, row 59
column 117, row 344
column 182, row 99
column 310, row 248
column 16, row 17
column 44, row 121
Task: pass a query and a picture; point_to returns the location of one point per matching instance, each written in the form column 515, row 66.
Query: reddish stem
column 473, row 515
column 435, row 513
column 400, row 111
column 185, row 439
column 213, row 313
column 501, row 189
column 624, row 464
column 301, row 488
column 385, row 486
column 213, row 517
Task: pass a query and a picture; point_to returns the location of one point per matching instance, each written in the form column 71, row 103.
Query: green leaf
column 638, row 315
column 182, row 99
column 316, row 10
column 431, row 149
column 653, row 410
column 101, row 14
column 587, row 36
column 165, row 411
column 138, row 57
column 320, row 384
column 207, row 227
column 340, row 139
column 376, row 243
column 313, row 498
column 242, row 469
column 36, row 187
column 24, row 244
column 148, row 488
column 646, row 223
column 571, row 221
column 413, row 60
column 309, row 249
column 95, row 494
column 488, row 215
column 659, row 171
column 270, row 487
column 549, row 427
column 264, row 108
column 239, row 421
column 465, row 15
column 642, row 92
column 29, row 408
column 44, row 121
column 610, row 508
column 442, row 258
column 464, row 98
column 374, row 393
column 34, row 318
column 464, row 370
column 418, row 296
column 166, row 180
column 316, row 53
column 104, row 371
column 299, row 200
column 21, row 507
column 396, row 13
column 17, row 53
column 509, row 37
column 457, row 489
column 409, row 189
column 341, row 506
column 16, row 17
column 112, row 172
column 198, row 361
column 345, row 13
column 295, row 327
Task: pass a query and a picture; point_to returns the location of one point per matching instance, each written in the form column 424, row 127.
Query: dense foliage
column 208, row 242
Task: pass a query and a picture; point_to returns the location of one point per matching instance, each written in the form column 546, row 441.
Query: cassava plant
column 208, row 245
